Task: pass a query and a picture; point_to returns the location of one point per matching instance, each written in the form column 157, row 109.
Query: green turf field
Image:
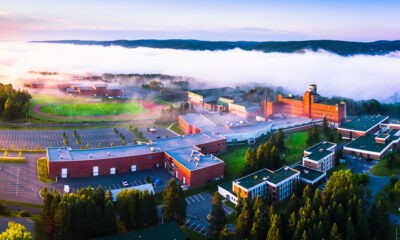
column 79, row 107
column 92, row 109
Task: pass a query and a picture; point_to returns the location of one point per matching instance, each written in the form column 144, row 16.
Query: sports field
column 68, row 109
column 92, row 109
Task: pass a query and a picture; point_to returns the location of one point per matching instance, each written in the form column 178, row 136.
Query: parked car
column 125, row 183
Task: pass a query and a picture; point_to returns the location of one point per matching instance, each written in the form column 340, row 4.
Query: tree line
column 90, row 213
column 340, row 211
column 266, row 156
column 13, row 103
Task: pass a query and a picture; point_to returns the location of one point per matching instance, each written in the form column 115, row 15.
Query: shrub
column 23, row 213
column 4, row 211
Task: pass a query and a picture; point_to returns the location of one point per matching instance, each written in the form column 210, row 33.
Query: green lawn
column 295, row 144
column 92, row 109
column 77, row 107
column 380, row 169
column 234, row 161
column 175, row 127
column 42, row 170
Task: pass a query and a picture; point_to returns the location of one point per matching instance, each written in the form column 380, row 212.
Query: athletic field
column 67, row 109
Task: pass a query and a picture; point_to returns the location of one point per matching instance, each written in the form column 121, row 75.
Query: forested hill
column 342, row 48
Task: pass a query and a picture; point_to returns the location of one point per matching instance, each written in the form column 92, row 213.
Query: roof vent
column 305, row 171
column 320, row 150
column 265, row 178
column 61, row 157
column 108, row 154
column 286, row 168
column 90, row 155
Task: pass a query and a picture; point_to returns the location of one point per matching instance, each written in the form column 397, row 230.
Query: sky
column 257, row 20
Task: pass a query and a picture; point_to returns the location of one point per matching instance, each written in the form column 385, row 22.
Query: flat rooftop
column 263, row 175
column 309, row 173
column 68, row 154
column 320, row 150
column 192, row 159
column 215, row 124
column 246, row 104
column 368, row 143
column 216, row 91
column 178, row 142
column 362, row 123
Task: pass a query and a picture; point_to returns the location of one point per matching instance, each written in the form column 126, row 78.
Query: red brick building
column 189, row 158
column 308, row 106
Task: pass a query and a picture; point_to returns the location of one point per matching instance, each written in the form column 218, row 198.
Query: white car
column 125, row 183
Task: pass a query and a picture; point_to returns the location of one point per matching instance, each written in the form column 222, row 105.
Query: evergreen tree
column 315, row 134
column 339, row 137
column 225, row 235
column 174, row 204
column 350, row 232
column 335, row 233
column 217, row 216
column 110, row 221
column 325, row 128
column 243, row 221
column 378, row 223
column 259, row 228
column 149, row 209
column 275, row 158
column 271, row 140
column 280, row 142
column 309, row 138
column 249, row 161
column 273, row 232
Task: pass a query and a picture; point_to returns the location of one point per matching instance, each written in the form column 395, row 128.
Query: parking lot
column 19, row 139
column 198, row 207
column 18, row 182
column 115, row 181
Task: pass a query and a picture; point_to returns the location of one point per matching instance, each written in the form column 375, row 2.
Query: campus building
column 95, row 90
column 229, row 126
column 190, row 159
column 308, row 106
column 374, row 146
column 278, row 185
column 320, row 157
column 354, row 127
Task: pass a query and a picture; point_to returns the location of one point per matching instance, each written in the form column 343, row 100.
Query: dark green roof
column 215, row 91
column 368, row 143
column 319, row 151
column 362, row 123
column 265, row 175
column 246, row 104
column 167, row 231
column 308, row 173
column 227, row 186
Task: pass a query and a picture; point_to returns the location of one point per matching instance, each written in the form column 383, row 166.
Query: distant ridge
column 343, row 48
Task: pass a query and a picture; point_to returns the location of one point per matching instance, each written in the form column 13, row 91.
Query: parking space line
column 197, row 226
column 187, row 201
column 192, row 225
column 201, row 196
column 202, row 229
column 196, row 198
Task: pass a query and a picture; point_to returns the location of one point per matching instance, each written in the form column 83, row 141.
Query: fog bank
column 358, row 77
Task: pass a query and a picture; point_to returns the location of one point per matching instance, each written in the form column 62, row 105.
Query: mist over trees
column 340, row 211
column 13, row 103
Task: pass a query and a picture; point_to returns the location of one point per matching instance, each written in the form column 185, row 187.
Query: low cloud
column 359, row 77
